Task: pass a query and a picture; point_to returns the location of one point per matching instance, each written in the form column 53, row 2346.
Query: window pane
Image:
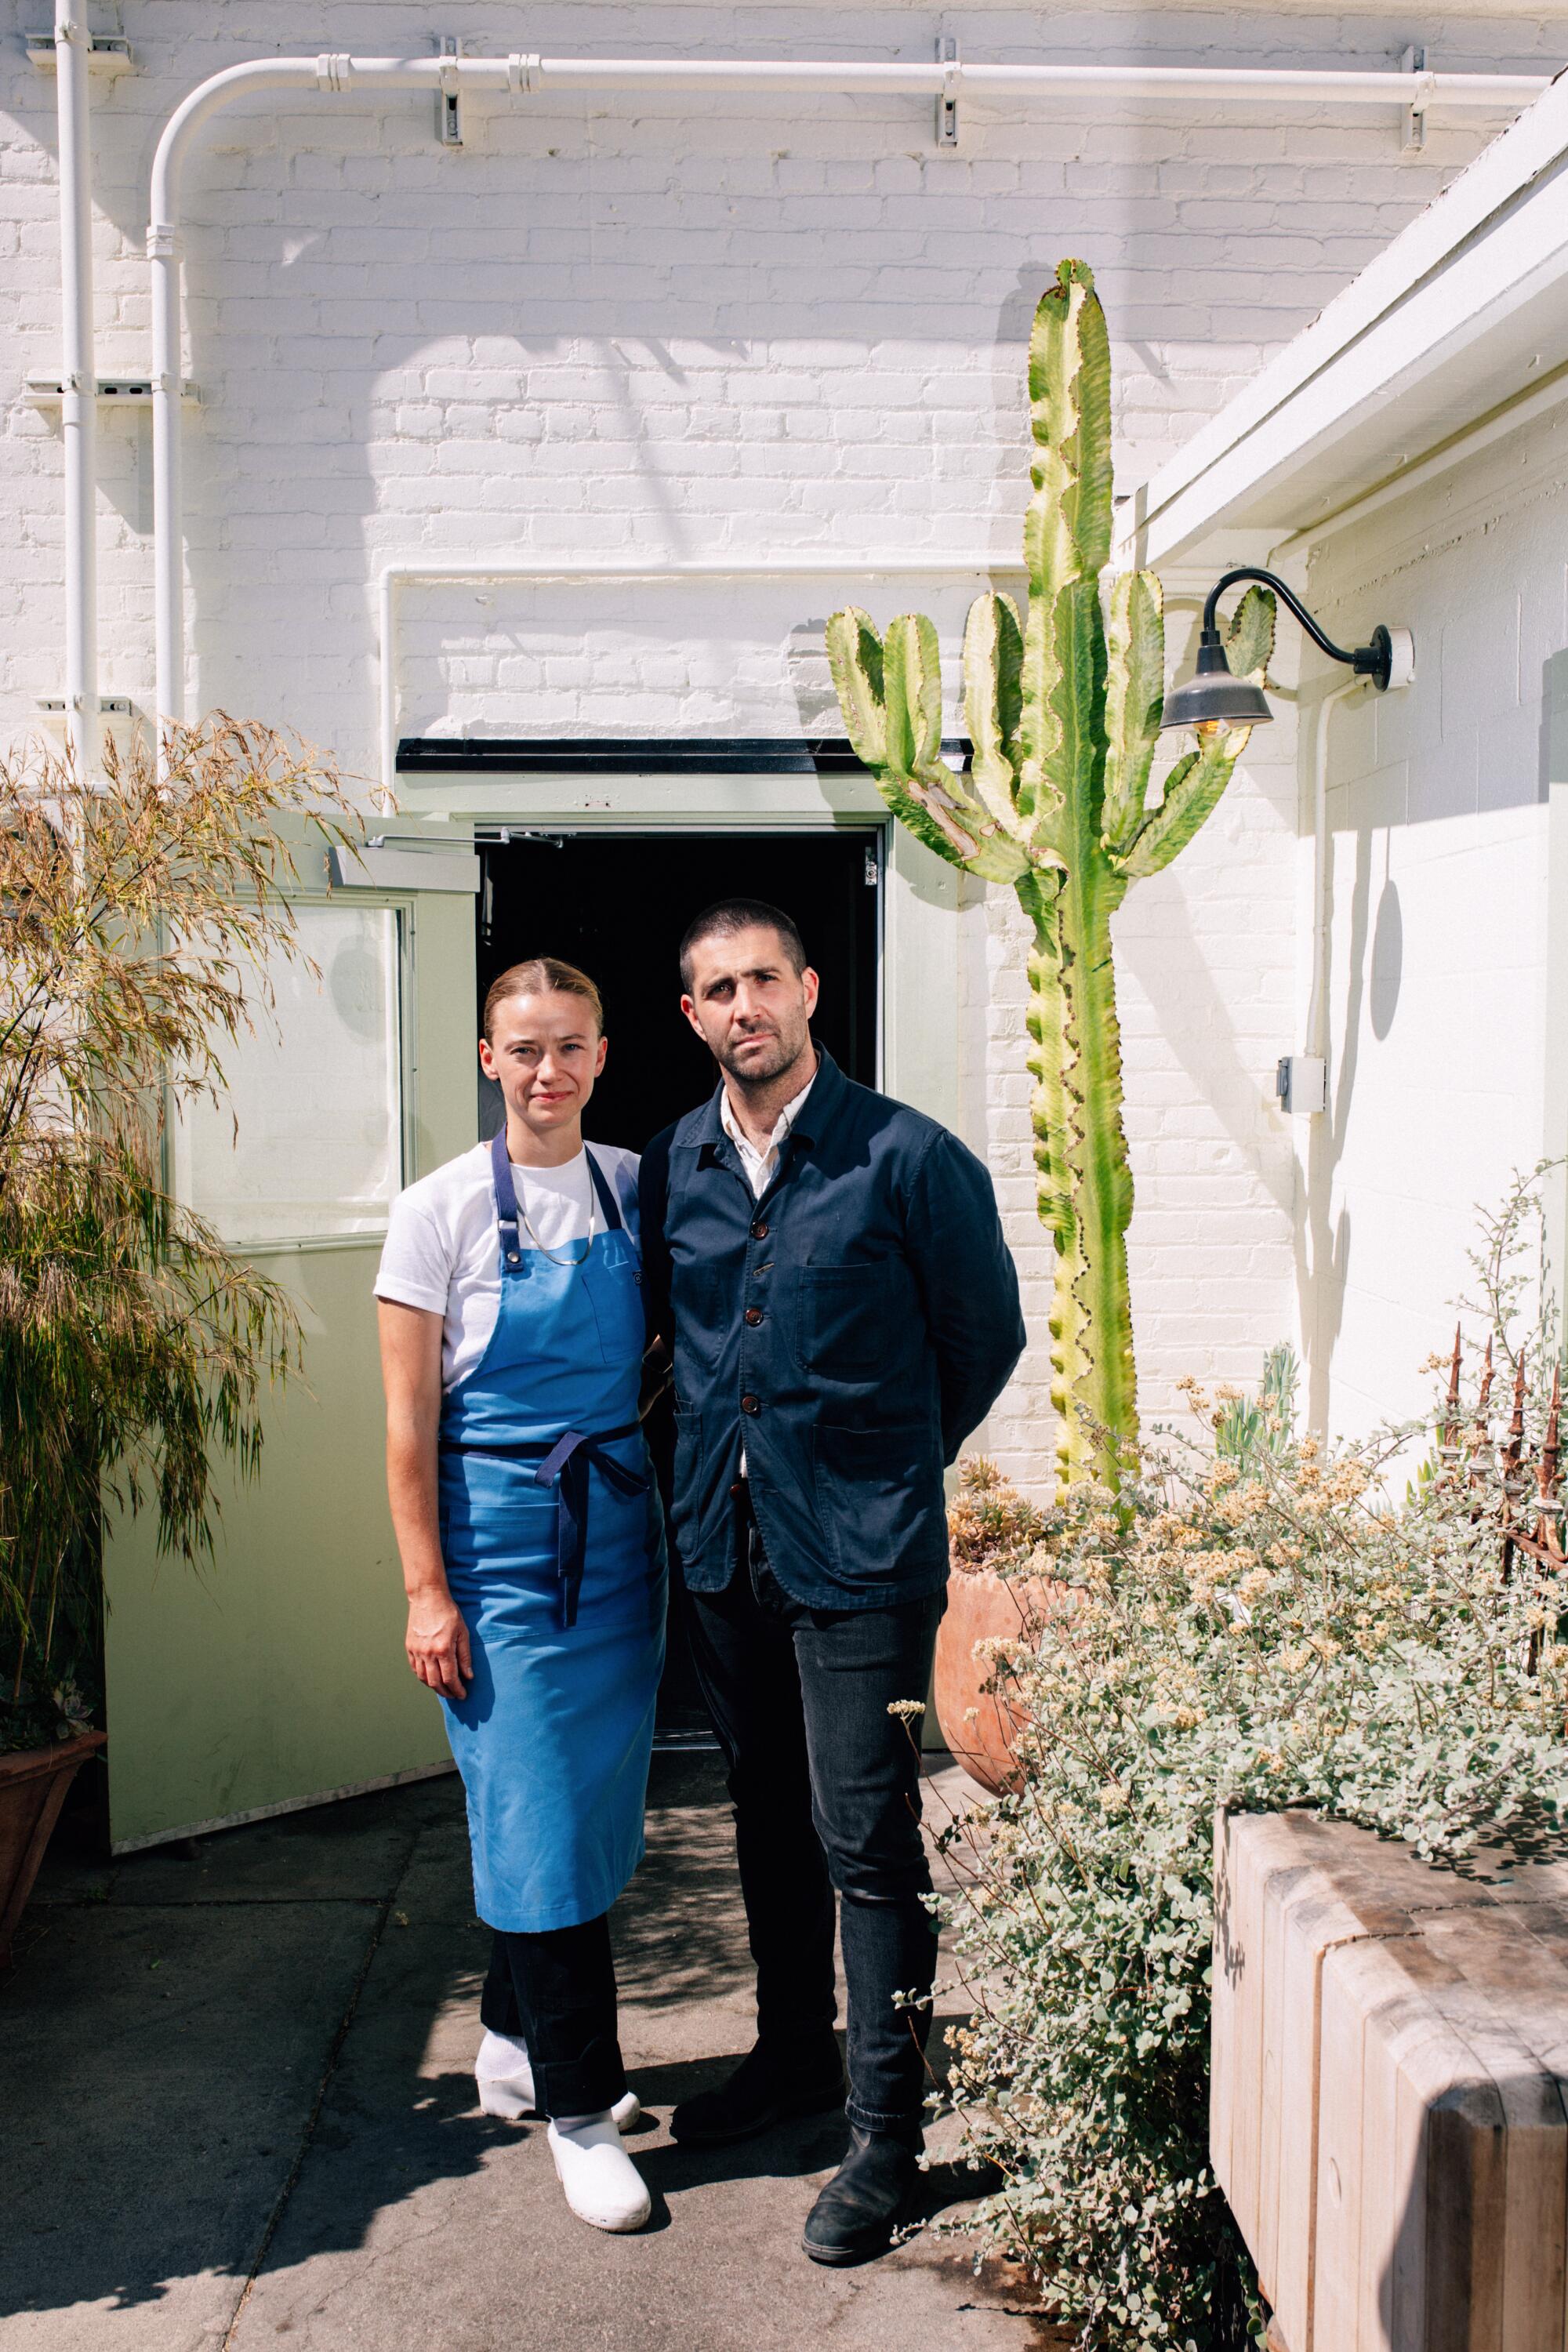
column 317, row 1094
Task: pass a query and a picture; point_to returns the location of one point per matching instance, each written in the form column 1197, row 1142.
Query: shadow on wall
column 1373, row 963
column 1323, row 1241
column 1198, row 1025
column 289, row 502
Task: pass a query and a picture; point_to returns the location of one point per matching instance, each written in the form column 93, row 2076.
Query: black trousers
column 825, row 1785
column 557, row 1992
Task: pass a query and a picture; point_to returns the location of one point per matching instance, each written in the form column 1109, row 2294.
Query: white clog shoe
column 505, row 2081
column 602, row 2186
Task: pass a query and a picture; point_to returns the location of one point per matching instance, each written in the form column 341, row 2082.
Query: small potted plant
column 995, row 1593
column 137, row 915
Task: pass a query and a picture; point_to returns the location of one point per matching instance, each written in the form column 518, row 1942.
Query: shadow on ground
column 237, row 2104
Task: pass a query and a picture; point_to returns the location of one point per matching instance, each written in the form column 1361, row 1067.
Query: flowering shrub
column 1255, row 1628
column 989, row 1524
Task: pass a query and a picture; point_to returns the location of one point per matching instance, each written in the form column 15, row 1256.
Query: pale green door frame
column 920, row 995
column 276, row 1678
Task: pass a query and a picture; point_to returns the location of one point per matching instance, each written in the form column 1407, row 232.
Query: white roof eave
column 1466, row 309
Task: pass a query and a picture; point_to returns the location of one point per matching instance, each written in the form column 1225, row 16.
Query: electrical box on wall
column 1301, row 1083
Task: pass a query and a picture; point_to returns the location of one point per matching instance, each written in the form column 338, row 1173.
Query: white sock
column 502, row 2053
column 504, row 2076
column 504, row 2073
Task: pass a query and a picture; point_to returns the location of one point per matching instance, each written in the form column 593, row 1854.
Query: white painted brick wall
column 1439, row 811
column 668, row 327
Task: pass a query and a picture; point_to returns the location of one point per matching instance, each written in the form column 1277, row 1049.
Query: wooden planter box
column 32, row 1789
column 1390, row 2069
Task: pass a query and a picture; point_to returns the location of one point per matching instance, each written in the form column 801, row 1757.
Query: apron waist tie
column 564, row 1464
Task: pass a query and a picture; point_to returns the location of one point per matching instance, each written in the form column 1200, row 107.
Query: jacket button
column 759, row 1230
column 751, row 1404
column 753, row 1315
column 739, row 1488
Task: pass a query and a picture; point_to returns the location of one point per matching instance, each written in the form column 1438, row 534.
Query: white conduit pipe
column 523, row 76
column 79, row 401
column 1318, row 1000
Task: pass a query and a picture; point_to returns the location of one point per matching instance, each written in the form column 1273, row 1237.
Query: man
column 830, row 1271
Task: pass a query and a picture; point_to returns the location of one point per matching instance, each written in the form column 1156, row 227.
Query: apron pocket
column 614, row 1298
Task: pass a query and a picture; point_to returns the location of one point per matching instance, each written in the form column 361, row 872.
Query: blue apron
column 553, row 1543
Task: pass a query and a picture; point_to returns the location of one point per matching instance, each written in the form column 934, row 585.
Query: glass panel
column 316, row 1093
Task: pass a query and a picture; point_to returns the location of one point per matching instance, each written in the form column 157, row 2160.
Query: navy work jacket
column 848, row 1330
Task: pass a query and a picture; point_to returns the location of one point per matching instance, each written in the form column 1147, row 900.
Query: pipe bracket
column 522, row 74
column 448, row 94
column 947, row 102
column 334, row 70
column 1414, row 62
column 163, row 241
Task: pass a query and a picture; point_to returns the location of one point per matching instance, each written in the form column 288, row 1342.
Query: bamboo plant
column 1063, row 706
column 137, row 915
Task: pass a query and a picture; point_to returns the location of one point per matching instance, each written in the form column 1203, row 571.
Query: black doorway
column 616, row 905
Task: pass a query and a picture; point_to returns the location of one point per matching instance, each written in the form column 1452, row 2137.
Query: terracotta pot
column 980, row 1607
column 32, row 1791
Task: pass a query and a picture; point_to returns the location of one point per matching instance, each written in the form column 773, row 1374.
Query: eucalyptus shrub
column 1252, row 1628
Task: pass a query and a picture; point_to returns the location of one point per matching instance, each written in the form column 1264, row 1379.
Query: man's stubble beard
column 753, row 1076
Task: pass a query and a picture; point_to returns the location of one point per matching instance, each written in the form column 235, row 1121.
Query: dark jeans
column 557, row 1992
column 827, row 1792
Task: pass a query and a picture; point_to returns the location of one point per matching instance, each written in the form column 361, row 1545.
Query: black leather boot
column 868, row 2197
column 772, row 2082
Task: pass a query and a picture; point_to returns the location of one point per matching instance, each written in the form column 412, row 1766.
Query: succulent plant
column 1063, row 706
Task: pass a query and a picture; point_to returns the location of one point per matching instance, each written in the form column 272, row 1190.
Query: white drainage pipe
column 79, row 380
column 522, row 76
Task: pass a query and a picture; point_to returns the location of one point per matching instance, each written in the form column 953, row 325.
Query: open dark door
column 616, row 905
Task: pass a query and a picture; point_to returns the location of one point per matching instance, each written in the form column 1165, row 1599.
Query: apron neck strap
column 608, row 1198
column 506, row 1197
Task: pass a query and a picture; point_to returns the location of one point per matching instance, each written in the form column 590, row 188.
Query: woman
column 512, row 1338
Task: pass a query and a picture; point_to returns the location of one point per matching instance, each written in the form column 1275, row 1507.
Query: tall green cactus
column 1063, row 708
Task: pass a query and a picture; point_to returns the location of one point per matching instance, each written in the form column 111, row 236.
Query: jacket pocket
column 880, row 1500
column 852, row 1321
column 686, row 1471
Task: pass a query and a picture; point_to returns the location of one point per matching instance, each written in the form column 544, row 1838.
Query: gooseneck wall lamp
column 1212, row 698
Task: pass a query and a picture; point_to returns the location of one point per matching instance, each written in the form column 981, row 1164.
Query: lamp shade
column 1214, row 697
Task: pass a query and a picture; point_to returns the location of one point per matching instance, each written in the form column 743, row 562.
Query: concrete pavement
column 235, row 2106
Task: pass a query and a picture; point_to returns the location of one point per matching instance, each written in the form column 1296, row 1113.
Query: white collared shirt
column 761, row 1167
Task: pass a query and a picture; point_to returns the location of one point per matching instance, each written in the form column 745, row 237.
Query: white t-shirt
column 442, row 1251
